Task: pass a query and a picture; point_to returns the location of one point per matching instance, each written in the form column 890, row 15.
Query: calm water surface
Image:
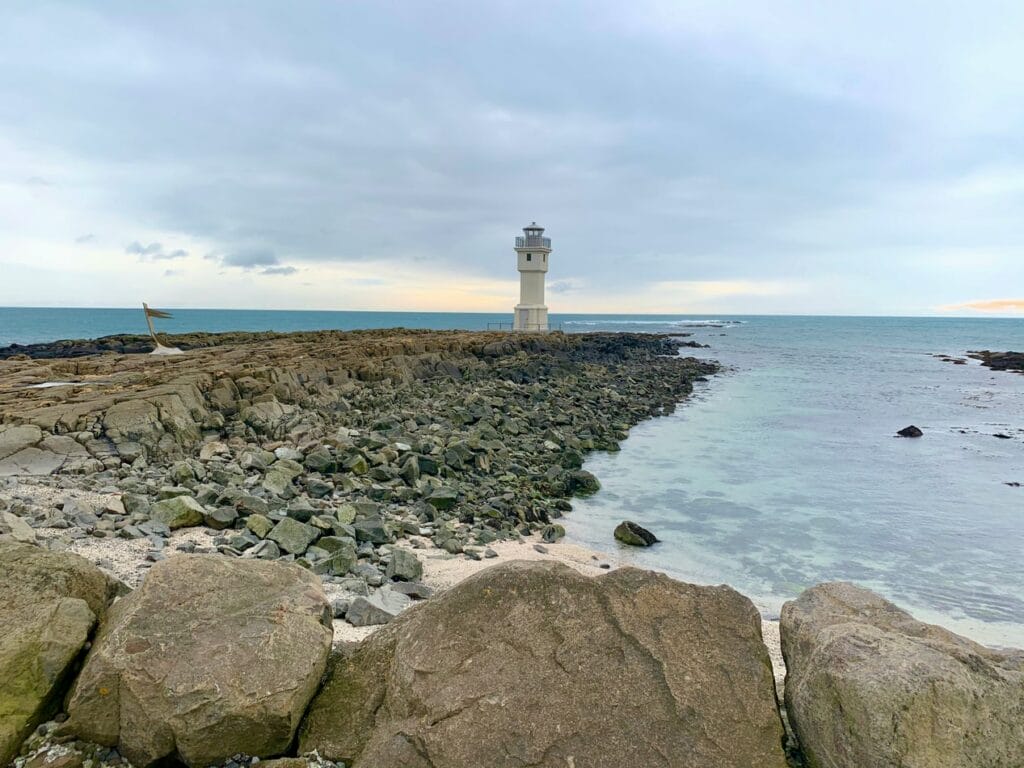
column 783, row 471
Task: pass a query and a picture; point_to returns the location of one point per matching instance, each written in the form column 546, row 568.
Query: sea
column 782, row 471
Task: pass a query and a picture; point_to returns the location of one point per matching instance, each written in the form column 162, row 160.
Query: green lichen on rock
column 49, row 604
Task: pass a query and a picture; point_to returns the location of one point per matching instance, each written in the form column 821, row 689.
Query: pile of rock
column 341, row 452
column 218, row 661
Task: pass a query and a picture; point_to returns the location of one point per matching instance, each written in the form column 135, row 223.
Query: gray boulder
column 49, row 603
column 404, row 566
column 443, row 498
column 341, row 557
column 379, row 608
column 14, row 528
column 868, row 686
column 536, row 664
column 371, row 529
column 293, row 536
column 178, row 512
column 210, row 657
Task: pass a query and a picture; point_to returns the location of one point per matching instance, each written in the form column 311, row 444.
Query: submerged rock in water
column 868, row 686
column 532, row 663
column 910, row 431
column 210, row 657
column 630, row 533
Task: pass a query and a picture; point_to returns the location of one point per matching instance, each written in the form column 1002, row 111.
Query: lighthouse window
column 529, row 257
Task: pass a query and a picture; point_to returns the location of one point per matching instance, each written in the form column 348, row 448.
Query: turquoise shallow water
column 782, row 471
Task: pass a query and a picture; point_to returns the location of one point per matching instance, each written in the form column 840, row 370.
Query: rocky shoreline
column 1000, row 361
column 259, row 502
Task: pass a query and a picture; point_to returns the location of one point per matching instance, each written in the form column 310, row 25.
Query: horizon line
column 949, row 316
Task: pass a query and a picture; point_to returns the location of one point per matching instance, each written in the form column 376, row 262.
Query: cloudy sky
column 853, row 157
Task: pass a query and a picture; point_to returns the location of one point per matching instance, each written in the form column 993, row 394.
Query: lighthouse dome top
column 533, row 237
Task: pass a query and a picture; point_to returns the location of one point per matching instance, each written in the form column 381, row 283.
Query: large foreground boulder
column 49, row 604
column 208, row 658
column 535, row 664
column 868, row 686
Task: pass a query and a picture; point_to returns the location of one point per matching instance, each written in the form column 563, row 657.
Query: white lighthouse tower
column 532, row 250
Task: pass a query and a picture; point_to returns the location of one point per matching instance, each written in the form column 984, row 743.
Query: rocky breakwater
column 341, row 452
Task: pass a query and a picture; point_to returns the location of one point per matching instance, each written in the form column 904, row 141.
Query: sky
column 848, row 157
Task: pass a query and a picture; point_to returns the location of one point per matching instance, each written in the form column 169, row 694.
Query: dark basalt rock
column 630, row 533
column 1000, row 361
column 910, row 431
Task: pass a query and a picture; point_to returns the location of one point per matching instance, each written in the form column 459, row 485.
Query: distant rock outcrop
column 1000, row 361
column 867, row 686
column 49, row 604
column 536, row 664
column 208, row 658
column 910, row 431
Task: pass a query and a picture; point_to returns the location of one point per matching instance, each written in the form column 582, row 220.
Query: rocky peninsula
column 187, row 544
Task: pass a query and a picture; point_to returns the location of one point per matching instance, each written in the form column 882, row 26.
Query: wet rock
column 634, row 535
column 868, row 686
column 552, row 533
column 526, row 664
column 208, row 658
column 583, row 483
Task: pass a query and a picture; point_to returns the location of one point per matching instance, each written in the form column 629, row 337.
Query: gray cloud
column 249, row 258
column 88, row 238
column 657, row 141
column 263, row 259
column 153, row 251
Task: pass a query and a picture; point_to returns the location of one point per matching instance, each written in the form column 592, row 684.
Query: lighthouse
column 532, row 250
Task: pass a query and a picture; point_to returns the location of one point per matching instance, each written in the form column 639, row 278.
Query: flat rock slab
column 532, row 663
column 49, row 603
column 868, row 686
column 209, row 657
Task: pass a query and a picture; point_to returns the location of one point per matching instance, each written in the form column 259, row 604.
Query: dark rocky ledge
column 1000, row 361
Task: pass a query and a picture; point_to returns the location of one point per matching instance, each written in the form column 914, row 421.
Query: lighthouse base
column 531, row 317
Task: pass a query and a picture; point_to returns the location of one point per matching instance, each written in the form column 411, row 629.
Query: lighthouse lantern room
column 532, row 250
